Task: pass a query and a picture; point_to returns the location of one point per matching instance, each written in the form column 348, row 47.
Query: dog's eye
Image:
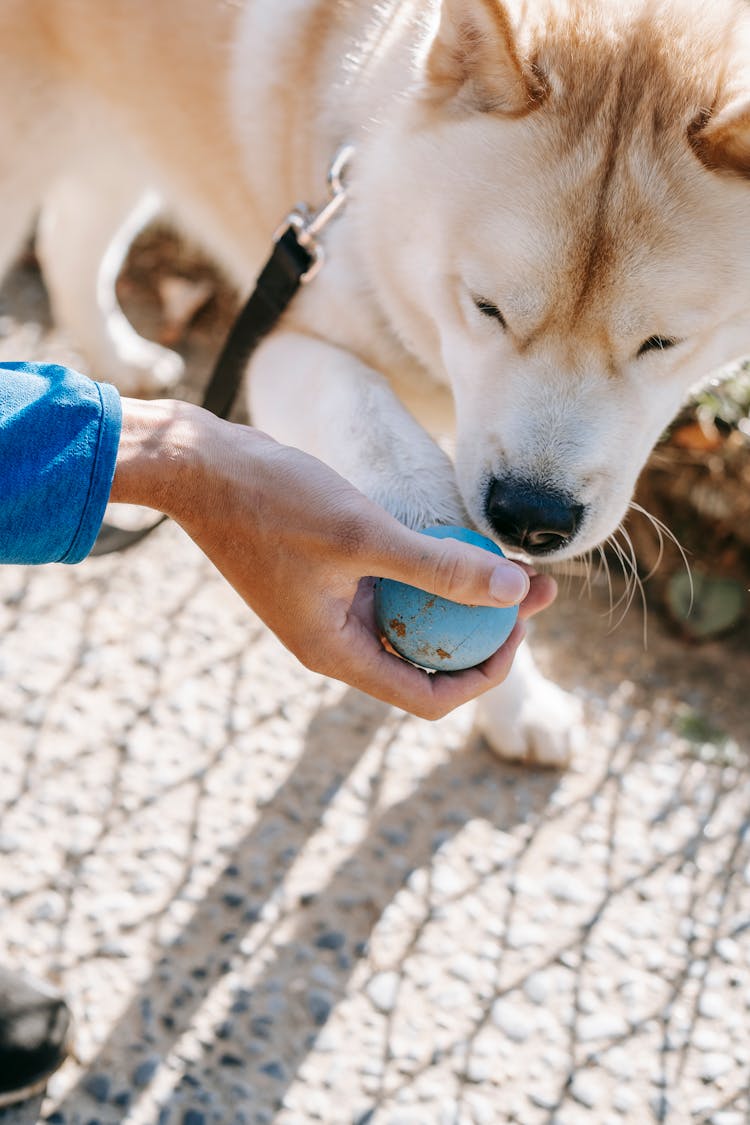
column 656, row 343
column 488, row 309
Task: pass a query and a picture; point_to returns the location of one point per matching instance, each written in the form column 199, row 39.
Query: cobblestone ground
column 271, row 899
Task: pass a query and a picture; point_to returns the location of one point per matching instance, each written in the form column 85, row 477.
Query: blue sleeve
column 59, row 435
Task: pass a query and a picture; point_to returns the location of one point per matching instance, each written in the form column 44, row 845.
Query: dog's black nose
column 535, row 519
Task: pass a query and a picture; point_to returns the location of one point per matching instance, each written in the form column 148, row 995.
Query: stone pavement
column 271, row 899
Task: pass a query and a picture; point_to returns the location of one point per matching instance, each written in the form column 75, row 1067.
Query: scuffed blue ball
column 436, row 633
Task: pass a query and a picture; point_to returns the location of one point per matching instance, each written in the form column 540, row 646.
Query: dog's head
column 563, row 234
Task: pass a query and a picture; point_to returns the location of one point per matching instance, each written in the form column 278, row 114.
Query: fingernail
column 509, row 584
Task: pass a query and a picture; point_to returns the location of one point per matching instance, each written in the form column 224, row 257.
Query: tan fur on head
column 489, row 56
column 476, row 57
column 720, row 134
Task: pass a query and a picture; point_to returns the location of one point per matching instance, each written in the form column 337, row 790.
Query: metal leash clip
column 307, row 223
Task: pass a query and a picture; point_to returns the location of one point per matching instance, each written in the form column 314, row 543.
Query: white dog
column 549, row 226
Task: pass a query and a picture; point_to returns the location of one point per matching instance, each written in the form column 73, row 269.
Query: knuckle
column 451, row 570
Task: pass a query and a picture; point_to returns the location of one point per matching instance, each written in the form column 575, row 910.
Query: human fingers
column 458, row 571
column 542, row 592
column 362, row 662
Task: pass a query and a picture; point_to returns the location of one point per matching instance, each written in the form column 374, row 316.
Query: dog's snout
column 535, row 519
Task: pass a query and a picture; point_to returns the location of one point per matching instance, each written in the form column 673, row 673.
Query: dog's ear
column 721, row 140
column 476, row 59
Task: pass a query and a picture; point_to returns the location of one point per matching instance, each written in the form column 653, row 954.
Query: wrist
column 158, row 457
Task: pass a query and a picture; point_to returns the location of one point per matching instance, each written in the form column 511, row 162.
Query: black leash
column 295, row 259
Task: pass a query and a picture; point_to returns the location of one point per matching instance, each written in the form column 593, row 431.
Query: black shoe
column 34, row 1029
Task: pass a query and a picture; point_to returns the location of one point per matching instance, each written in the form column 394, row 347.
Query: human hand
column 299, row 543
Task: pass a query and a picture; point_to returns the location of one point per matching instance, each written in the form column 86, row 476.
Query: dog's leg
column 323, row 400
column 17, row 210
column 529, row 718
column 89, row 218
column 34, row 131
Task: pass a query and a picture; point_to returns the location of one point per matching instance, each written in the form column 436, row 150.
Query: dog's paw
column 421, row 500
column 529, row 718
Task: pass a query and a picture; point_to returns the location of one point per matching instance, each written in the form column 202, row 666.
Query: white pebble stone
column 383, row 991
column 707, row 1038
column 588, row 1001
column 480, row 1070
column 537, row 988
column 712, row 1005
column 586, row 1089
column 604, row 1025
column 623, row 1099
column 482, row 1112
column 464, row 967
column 715, row 1065
column 525, row 936
column 449, row 1113
column 512, row 1020
column 445, row 881
column 728, row 950
column 544, row 1099
column 654, row 959
column 566, row 888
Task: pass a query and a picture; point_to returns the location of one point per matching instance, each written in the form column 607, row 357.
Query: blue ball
column 435, row 633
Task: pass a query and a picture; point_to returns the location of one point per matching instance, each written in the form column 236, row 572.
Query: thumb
column 452, row 569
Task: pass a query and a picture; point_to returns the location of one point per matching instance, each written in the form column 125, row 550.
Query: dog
column 548, row 232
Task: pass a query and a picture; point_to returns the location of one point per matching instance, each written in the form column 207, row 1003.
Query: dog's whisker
column 637, row 585
column 581, row 567
column 634, row 582
column 589, row 564
column 566, row 570
column 600, row 566
column 656, row 524
column 624, row 566
column 632, row 565
column 604, row 562
column 627, row 559
column 584, row 577
column 569, row 573
column 662, row 529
